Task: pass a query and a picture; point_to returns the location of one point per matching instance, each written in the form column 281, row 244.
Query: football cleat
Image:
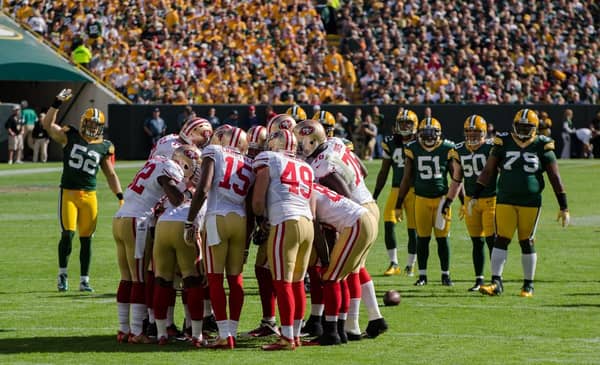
column 342, row 331
column 173, row 331
column 85, row 286
column 63, row 282
column 376, row 327
column 282, row 344
column 222, row 343
column 393, row 269
column 478, row 284
column 527, row 291
column 198, row 343
column 353, row 336
column 209, row 324
column 141, row 339
column 446, row 281
column 330, row 334
column 122, row 337
column 151, row 330
column 409, row 270
column 266, row 328
column 422, row 280
column 313, row 327
column 493, row 289
column 163, row 341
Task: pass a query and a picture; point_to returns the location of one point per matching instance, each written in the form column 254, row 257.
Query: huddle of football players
column 499, row 183
column 189, row 215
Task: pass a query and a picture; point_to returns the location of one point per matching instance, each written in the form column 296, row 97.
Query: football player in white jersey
column 282, row 195
column 159, row 176
column 357, row 230
column 170, row 251
column 338, row 168
column 225, row 180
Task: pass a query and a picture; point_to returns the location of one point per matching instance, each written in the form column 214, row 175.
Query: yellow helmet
column 406, row 123
column 281, row 121
column 525, row 124
column 196, row 131
column 296, row 112
column 475, row 129
column 257, row 138
column 429, row 132
column 235, row 138
column 189, row 158
column 310, row 135
column 282, row 140
column 91, row 125
column 327, row 120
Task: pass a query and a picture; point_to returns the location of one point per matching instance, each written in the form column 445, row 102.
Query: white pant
column 566, row 149
column 40, row 146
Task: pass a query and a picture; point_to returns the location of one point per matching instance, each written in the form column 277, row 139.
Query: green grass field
column 432, row 325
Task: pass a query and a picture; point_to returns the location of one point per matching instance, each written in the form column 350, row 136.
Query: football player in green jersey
column 427, row 162
column 84, row 152
column 473, row 153
column 404, row 131
column 521, row 157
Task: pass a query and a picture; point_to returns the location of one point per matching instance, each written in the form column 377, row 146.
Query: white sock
column 411, row 259
column 138, row 313
column 151, row 318
column 317, row 309
column 84, row 279
column 498, row 260
column 223, row 328
column 529, row 262
column 62, row 270
column 207, row 308
column 331, row 318
column 269, row 319
column 233, row 327
column 369, row 299
column 343, row 316
column 393, row 255
column 170, row 315
column 161, row 328
column 423, row 272
column 188, row 316
column 287, row 332
column 297, row 327
column 352, row 325
column 123, row 313
column 197, row 329
column 445, row 272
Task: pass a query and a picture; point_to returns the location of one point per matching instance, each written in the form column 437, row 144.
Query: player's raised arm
column 49, row 122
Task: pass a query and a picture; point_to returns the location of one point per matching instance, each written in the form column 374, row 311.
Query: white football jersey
column 166, row 145
column 290, row 187
column 144, row 191
column 232, row 179
column 180, row 213
column 336, row 210
column 337, row 158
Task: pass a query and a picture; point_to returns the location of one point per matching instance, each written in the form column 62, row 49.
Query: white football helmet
column 236, row 138
column 189, row 158
column 196, row 131
column 257, row 140
column 280, row 121
column 310, row 135
column 282, row 141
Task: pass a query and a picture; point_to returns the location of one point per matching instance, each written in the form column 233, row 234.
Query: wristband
column 56, row 103
column 119, row 196
column 478, row 189
column 562, row 200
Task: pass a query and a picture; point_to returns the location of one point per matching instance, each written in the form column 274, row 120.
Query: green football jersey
column 431, row 167
column 81, row 161
column 472, row 163
column 393, row 150
column 521, row 169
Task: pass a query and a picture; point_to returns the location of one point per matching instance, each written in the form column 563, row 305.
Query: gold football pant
column 511, row 218
column 481, row 222
column 425, row 213
column 171, row 251
column 289, row 248
column 228, row 255
column 78, row 210
column 389, row 214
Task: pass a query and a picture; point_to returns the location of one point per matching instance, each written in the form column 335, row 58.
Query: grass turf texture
column 432, row 325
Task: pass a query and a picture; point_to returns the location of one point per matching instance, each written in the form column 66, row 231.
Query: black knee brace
column 192, row 281
column 163, row 282
column 527, row 246
column 501, row 243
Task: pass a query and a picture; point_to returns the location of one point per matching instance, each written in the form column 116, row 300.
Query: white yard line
column 43, row 170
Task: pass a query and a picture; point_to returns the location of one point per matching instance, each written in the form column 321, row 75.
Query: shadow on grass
column 106, row 343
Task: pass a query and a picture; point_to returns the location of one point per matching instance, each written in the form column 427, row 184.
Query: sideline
column 43, row 170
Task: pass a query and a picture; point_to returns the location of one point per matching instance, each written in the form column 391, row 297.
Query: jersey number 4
column 290, row 175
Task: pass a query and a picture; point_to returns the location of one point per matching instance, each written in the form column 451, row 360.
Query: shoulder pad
column 410, row 143
column 449, row 143
column 547, row 142
column 460, row 145
column 388, row 139
column 545, row 139
column 489, row 141
column 498, row 140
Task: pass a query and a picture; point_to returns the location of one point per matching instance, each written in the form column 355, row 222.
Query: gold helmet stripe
column 524, row 115
column 472, row 121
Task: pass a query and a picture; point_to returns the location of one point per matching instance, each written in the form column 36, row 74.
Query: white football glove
column 470, row 206
column 189, row 233
column 564, row 217
column 64, row 94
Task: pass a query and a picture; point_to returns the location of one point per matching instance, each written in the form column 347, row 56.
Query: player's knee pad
column 163, row 282
column 501, row 243
column 527, row 246
column 192, row 281
column 67, row 236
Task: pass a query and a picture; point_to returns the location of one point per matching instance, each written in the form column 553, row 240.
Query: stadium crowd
column 395, row 52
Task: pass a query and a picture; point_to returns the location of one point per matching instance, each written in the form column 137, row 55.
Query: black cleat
column 478, row 284
column 446, row 281
column 341, row 331
column 313, row 327
column 209, row 324
column 376, row 327
column 422, row 280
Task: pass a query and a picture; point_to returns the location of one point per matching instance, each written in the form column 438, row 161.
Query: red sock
column 217, row 296
column 124, row 291
column 345, row 304
column 137, row 295
column 236, row 296
column 299, row 299
column 364, row 275
column 332, row 296
column 354, row 288
column 285, row 302
column 195, row 302
column 149, row 288
column 316, row 285
column 266, row 290
column 161, row 301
